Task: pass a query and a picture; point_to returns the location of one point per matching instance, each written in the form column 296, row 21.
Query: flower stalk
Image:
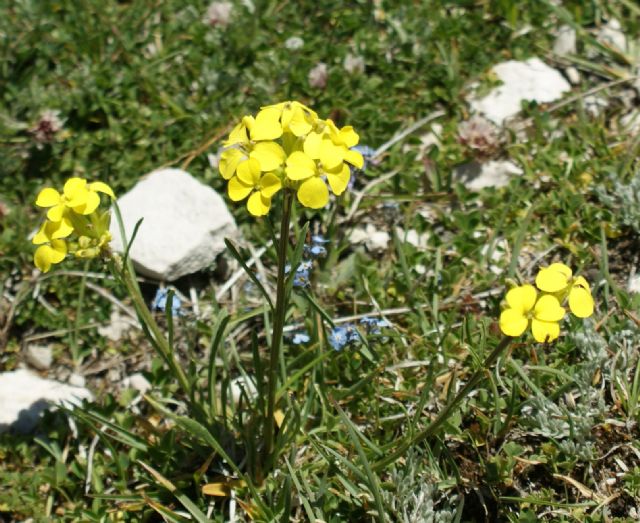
column 278, row 327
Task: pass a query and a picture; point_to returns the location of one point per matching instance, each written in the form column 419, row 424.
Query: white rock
column 532, row 80
column 633, row 285
column 240, row 386
column 495, row 173
column 24, row 396
column 374, row 240
column 573, row 75
column 631, row 121
column 611, row 35
column 594, row 105
column 413, row 237
column 565, row 42
column 185, row 223
column 118, row 325
column 137, row 382
column 39, row 356
column 77, row 380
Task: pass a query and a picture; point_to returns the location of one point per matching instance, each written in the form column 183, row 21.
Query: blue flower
column 301, row 278
column 373, row 325
column 318, row 239
column 339, row 337
column 300, row 337
column 159, row 302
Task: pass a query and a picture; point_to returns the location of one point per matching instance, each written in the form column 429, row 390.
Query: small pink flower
column 45, row 130
column 318, row 76
column 218, row 14
column 480, row 136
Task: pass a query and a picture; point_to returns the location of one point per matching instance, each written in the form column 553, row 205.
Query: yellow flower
column 308, row 154
column 557, row 279
column 524, row 308
column 249, row 182
column 269, row 155
column 77, row 194
column 72, row 213
column 51, row 249
column 295, row 118
column 313, row 192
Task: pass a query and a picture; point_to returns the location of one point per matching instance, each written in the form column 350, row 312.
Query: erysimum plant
column 287, row 150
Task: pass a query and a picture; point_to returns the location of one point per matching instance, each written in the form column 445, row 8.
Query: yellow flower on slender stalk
column 524, row 309
column 558, row 279
column 72, row 213
column 77, row 194
column 260, row 188
column 269, row 155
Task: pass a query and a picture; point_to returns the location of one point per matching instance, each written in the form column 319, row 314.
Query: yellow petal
column 75, row 188
column 239, row 134
column 267, row 125
column 46, row 255
column 270, row 184
column 548, row 309
column 313, row 193
column 229, row 161
column 41, row 258
column 48, row 197
column 581, row 282
column 55, row 213
column 91, row 203
column 296, row 120
column 249, row 172
column 553, row 278
column 103, row 188
column 580, row 302
column 522, row 299
column 258, row 205
column 269, row 154
column 312, row 144
column 354, row 158
column 512, row 322
column 300, row 166
column 237, row 189
column 331, row 155
column 338, row 181
column 43, row 235
column 61, row 229
column 544, row 331
column 348, row 136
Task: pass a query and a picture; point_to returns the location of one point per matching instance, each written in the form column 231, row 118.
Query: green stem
column 160, row 341
column 75, row 345
column 477, row 376
column 278, row 326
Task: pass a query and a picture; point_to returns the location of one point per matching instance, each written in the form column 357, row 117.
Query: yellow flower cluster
column 544, row 312
column 287, row 146
column 73, row 224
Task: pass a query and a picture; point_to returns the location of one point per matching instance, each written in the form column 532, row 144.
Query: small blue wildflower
column 318, row 239
column 373, row 325
column 315, row 251
column 300, row 337
column 301, row 278
column 159, row 302
column 339, row 337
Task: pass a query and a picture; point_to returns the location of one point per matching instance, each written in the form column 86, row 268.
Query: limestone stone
column 184, row 224
column 24, row 396
column 475, row 176
column 532, row 80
